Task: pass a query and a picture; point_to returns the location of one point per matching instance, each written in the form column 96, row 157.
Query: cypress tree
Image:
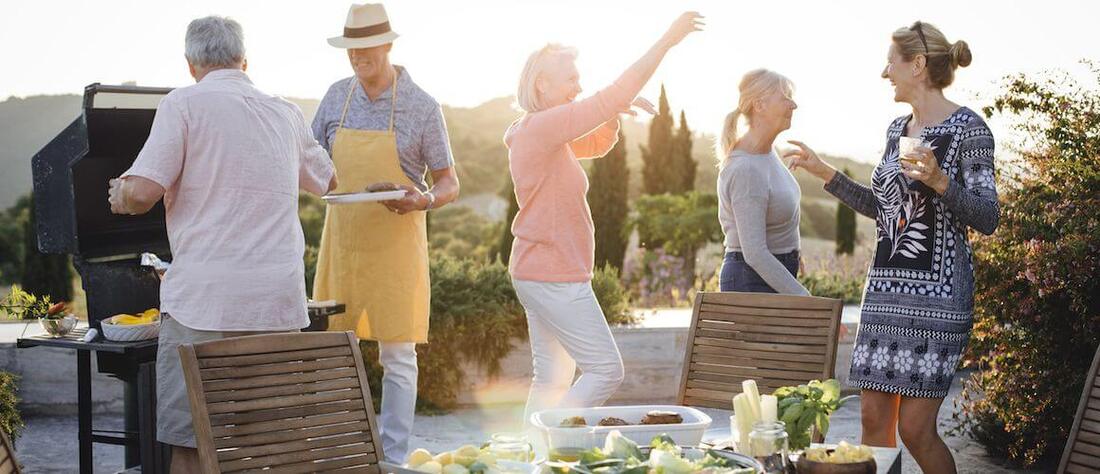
column 845, row 227
column 607, row 197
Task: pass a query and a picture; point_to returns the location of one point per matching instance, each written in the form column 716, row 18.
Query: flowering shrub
column 1037, row 301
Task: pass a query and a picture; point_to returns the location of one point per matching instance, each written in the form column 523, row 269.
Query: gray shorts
column 173, row 406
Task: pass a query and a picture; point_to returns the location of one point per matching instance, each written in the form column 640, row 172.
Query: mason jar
column 768, row 444
column 510, row 446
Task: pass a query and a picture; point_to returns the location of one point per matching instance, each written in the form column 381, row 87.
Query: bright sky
column 466, row 52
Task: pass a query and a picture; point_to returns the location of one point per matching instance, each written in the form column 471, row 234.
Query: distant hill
column 27, row 124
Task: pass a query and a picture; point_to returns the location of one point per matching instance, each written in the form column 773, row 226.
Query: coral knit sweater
column 553, row 229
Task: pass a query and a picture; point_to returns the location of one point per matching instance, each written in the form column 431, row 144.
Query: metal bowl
column 58, row 327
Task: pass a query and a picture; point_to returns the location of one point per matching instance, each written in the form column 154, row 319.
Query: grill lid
column 72, row 170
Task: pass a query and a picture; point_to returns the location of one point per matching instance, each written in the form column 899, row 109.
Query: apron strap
column 393, row 101
column 346, row 102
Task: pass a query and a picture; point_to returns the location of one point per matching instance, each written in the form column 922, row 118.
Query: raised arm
column 568, row 122
column 854, row 195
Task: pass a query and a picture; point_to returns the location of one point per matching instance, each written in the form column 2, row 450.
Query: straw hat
column 367, row 26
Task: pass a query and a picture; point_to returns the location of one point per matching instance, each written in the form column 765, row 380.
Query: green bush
column 12, row 222
column 834, row 285
column 612, row 295
column 1037, row 305
column 10, row 421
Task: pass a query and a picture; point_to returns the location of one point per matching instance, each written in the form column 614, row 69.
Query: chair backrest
column 777, row 340
column 1082, row 453
column 294, row 402
column 8, row 464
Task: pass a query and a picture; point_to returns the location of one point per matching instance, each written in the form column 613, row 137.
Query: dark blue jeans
column 739, row 276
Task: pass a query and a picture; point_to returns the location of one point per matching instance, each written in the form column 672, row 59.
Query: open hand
column 684, row 25
column 641, row 103
column 806, row 158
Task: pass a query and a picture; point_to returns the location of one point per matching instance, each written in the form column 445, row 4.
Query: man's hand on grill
column 133, row 195
column 116, row 197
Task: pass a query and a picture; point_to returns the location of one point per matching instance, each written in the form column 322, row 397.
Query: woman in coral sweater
column 552, row 254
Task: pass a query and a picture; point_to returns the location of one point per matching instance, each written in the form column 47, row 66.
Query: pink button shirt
column 232, row 160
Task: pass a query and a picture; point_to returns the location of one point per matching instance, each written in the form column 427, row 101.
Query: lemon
column 444, row 459
column 430, row 467
column 418, row 457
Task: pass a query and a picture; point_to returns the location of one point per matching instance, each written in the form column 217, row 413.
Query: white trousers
column 568, row 330
column 398, row 398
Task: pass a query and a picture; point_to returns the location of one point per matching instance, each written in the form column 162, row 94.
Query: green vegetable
column 619, row 446
column 803, row 406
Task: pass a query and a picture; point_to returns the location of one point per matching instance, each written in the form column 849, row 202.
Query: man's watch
column 431, row 200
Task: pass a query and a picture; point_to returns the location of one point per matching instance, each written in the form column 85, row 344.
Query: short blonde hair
column 527, row 95
column 942, row 57
column 755, row 85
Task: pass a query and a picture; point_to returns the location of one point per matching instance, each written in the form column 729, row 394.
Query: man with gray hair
column 229, row 161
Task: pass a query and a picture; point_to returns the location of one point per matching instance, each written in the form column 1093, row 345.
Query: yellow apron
column 372, row 259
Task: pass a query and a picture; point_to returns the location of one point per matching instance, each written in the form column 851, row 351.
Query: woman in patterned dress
column 917, row 306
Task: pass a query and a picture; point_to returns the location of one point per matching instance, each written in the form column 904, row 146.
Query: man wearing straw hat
column 384, row 133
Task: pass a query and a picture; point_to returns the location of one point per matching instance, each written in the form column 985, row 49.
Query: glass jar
column 768, row 444
column 510, row 446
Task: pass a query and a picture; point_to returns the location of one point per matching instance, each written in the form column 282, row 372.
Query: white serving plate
column 688, row 433
column 351, row 198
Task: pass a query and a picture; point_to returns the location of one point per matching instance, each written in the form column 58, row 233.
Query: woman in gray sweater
column 918, row 304
column 758, row 197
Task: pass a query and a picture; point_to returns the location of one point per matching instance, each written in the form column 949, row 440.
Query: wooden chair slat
column 287, row 459
column 281, row 425
column 759, row 346
column 274, row 369
column 763, row 319
column 782, row 313
column 765, row 300
column 273, row 357
column 758, row 363
column 1084, row 459
column 1086, row 448
column 277, row 391
column 284, row 413
column 268, row 343
column 741, row 327
column 748, row 353
column 289, row 435
column 276, row 380
column 284, row 402
column 293, row 446
column 1079, row 469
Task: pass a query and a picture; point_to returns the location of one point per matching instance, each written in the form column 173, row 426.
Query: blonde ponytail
column 728, row 138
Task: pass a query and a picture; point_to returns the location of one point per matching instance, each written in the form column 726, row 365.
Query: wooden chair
column 294, row 402
column 8, row 463
column 1082, row 453
column 777, row 340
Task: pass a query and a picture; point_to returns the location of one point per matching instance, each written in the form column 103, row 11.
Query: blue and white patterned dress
column 918, row 303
